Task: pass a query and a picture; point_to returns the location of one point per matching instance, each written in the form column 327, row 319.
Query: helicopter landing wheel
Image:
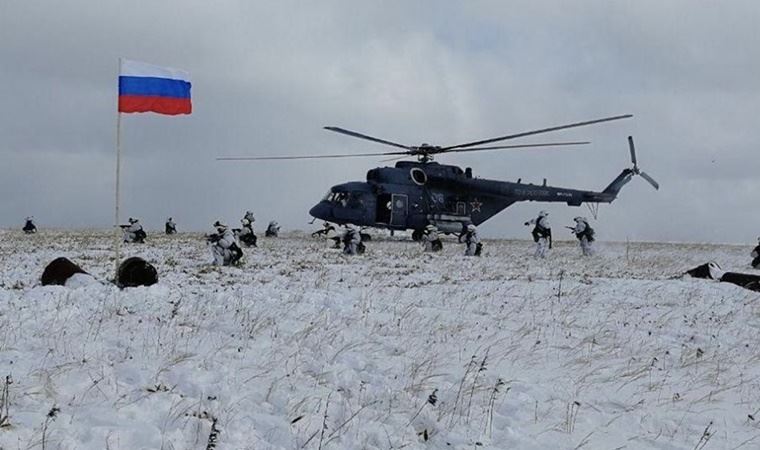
column 417, row 235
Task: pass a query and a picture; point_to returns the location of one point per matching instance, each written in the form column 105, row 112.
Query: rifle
column 323, row 231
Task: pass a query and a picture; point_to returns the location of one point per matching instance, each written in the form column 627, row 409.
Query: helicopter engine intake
column 418, row 176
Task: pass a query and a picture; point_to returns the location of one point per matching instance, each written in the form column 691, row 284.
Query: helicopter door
column 400, row 209
column 383, row 208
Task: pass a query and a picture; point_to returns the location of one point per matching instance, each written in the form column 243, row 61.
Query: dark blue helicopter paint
column 412, row 195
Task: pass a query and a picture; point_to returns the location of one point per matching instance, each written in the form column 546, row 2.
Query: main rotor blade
column 651, row 180
column 403, row 154
column 263, row 158
column 543, row 130
column 633, row 151
column 395, row 158
column 364, row 136
column 500, row 147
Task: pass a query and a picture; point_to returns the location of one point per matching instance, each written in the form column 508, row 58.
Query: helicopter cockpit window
column 355, row 199
column 340, row 197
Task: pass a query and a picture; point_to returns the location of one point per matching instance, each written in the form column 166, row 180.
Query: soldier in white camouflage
column 585, row 234
column 542, row 234
column 470, row 238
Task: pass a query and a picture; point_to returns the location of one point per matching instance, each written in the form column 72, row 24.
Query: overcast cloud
column 267, row 76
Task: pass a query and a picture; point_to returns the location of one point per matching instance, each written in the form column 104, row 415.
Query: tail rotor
column 636, row 169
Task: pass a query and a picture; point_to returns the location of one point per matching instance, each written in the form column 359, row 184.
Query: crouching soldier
column 29, row 226
column 431, row 241
column 134, row 232
column 542, row 234
column 224, row 248
column 352, row 241
column 473, row 246
column 170, row 227
column 585, row 235
column 756, row 254
column 245, row 234
column 273, row 229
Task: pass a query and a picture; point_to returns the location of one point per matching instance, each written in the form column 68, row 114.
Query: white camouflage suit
column 273, row 229
column 130, row 233
column 579, row 230
column 428, row 237
column 351, row 239
column 542, row 245
column 221, row 249
column 471, row 241
column 247, row 228
column 170, row 226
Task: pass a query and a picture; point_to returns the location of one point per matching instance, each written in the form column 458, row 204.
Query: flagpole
column 117, row 237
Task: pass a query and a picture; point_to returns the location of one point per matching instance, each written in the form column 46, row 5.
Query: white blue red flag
column 147, row 88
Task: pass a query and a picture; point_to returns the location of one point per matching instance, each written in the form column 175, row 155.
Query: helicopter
column 414, row 194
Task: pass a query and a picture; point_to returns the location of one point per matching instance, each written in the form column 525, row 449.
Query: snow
column 303, row 347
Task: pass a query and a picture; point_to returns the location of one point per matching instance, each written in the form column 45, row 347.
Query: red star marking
column 475, row 205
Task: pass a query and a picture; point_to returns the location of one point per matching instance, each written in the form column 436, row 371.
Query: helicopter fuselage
column 412, row 195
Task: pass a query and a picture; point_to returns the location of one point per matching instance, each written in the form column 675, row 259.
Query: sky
column 268, row 75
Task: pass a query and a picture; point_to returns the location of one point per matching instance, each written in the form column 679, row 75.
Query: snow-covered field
column 305, row 348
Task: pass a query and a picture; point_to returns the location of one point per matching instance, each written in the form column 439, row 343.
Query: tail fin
column 618, row 183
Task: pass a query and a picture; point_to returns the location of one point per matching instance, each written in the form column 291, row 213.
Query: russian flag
column 147, row 88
